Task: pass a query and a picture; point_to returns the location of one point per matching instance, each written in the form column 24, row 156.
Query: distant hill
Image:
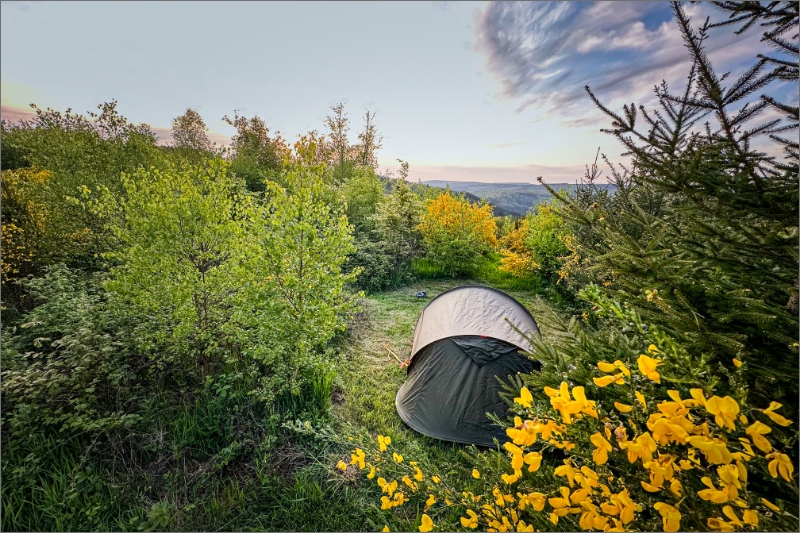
column 510, row 198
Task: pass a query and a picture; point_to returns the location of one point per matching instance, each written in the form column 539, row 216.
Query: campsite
column 399, row 266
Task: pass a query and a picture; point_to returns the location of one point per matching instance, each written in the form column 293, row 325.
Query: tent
column 464, row 339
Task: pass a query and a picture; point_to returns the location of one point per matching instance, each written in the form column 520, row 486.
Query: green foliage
column 256, row 157
column 363, row 193
column 701, row 235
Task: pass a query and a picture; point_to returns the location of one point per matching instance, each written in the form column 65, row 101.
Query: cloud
column 15, row 114
column 507, row 145
column 544, row 53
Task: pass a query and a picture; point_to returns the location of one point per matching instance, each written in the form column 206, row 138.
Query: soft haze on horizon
column 463, row 91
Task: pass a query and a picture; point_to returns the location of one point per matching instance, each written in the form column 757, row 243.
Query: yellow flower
column 642, row 447
column 383, row 442
column 608, row 380
column 780, row 463
column 602, row 447
column 418, row 474
column 435, row 479
column 341, row 465
column 647, row 366
column 715, row 450
column 358, row 458
column 427, row 524
column 775, row 417
column 386, row 503
column 640, row 398
column 737, row 363
column 623, row 408
column 397, row 457
column 652, row 348
column 750, row 517
column 430, row 501
column 371, row 472
column 756, row 431
column 533, row 460
column 712, row 494
column 475, row 473
column 717, row 524
column 525, row 397
column 670, row 515
column 724, row 411
column 675, row 487
column 731, row 514
column 385, row 529
column 471, row 520
column 770, row 504
column 509, row 479
column 606, row 367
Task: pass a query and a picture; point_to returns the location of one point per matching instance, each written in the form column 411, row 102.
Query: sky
column 463, row 91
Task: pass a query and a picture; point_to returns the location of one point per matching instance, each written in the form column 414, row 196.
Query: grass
column 218, row 464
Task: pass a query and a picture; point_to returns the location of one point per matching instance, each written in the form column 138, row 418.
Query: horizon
column 498, row 99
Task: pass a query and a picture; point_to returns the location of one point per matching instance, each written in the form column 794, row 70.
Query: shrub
column 456, row 233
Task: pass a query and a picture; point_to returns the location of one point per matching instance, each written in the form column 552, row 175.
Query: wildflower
column 640, row 398
column 521, row 526
column 717, row 524
column 623, row 408
column 756, row 431
column 341, row 465
column 647, row 366
column 580, row 404
column 566, row 470
column 418, row 474
column 533, row 460
column 724, row 411
column 606, row 380
column 652, row 348
column 670, row 515
column 737, row 363
column 525, row 397
column 770, row 504
column 750, row 517
column 386, row 503
column 675, row 487
column 640, row 448
column 516, row 456
column 430, row 501
column 385, row 529
column 371, row 472
column 715, row 450
column 712, row 494
column 410, row 484
column 471, row 520
column 562, row 502
column 775, row 417
column 780, row 463
column 602, row 447
column 397, row 458
column 386, row 487
column 731, row 514
column 509, row 479
column 475, row 473
column 383, row 442
column 534, row 499
column 435, row 479
column 358, row 458
column 699, row 398
column 427, row 524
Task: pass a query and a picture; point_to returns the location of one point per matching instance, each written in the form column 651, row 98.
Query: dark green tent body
column 464, row 339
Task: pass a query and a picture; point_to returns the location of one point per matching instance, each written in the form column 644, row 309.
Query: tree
column 701, row 234
column 256, row 157
column 370, row 142
column 189, row 132
column 456, row 233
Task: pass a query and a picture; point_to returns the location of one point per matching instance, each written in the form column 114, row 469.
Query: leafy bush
column 537, row 245
column 456, row 233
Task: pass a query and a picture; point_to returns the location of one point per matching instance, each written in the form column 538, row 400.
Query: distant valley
column 508, row 198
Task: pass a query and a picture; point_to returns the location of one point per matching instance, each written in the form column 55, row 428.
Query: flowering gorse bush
column 648, row 441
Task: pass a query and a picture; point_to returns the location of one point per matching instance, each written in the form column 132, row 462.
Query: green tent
column 464, row 338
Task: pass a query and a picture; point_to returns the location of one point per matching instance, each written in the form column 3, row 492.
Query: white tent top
column 473, row 310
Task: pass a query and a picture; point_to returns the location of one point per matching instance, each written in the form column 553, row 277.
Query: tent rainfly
column 461, row 342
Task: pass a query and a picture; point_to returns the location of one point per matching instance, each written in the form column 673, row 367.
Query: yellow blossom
column 675, row 487
column 770, row 504
column 712, row 494
column 647, row 366
column 533, row 460
column 756, row 431
column 715, row 450
column 737, row 363
column 670, row 515
column 430, row 501
column 471, row 520
column 475, row 473
column 397, row 458
column 525, row 397
column 606, row 380
column 427, row 524
column 750, row 517
column 775, row 417
column 418, row 474
column 780, row 463
column 640, row 448
column 652, row 348
column 358, row 458
column 717, row 524
column 383, row 442
column 371, row 472
column 435, row 479
column 724, row 411
column 385, row 529
column 640, row 398
column 602, row 447
column 509, row 479
column 622, row 408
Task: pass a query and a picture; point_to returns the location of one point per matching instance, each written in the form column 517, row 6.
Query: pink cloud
column 519, row 174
